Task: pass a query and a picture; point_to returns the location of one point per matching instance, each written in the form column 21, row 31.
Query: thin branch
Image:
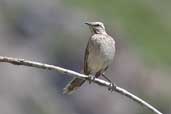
column 100, row 82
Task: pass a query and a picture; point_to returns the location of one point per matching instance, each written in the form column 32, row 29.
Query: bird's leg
column 91, row 78
column 112, row 85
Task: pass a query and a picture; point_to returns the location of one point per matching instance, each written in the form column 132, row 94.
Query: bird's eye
column 97, row 25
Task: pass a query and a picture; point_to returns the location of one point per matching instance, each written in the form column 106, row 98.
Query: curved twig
column 118, row 89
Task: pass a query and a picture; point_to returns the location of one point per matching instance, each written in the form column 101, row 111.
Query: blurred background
column 53, row 32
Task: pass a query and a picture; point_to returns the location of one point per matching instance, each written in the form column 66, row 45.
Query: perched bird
column 99, row 55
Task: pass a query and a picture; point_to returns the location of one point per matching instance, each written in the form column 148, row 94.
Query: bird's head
column 96, row 27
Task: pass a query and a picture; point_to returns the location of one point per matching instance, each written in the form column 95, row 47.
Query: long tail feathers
column 73, row 85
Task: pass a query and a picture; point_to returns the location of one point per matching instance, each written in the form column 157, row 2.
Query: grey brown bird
column 99, row 55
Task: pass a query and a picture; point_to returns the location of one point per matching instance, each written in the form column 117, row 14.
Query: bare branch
column 100, row 82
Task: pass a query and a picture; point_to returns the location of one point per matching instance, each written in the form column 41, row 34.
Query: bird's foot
column 112, row 87
column 91, row 78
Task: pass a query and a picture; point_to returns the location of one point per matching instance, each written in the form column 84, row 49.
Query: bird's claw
column 91, row 78
column 112, row 87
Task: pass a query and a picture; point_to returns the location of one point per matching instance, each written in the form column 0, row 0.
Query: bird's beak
column 88, row 23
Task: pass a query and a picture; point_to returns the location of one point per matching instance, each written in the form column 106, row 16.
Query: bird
column 99, row 54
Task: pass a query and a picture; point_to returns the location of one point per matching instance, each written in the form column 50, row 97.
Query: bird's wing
column 85, row 59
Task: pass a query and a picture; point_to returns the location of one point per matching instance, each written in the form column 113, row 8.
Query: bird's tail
column 73, row 85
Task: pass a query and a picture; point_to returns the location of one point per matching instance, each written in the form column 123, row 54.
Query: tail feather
column 73, row 85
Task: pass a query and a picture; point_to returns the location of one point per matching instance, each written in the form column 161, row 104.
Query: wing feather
column 86, row 71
